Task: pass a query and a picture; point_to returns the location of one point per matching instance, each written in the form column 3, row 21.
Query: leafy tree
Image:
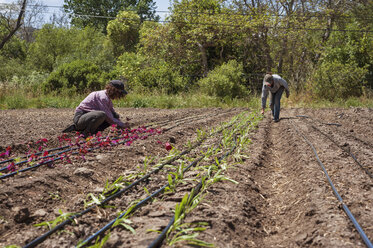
column 97, row 13
column 123, row 32
column 50, row 44
column 345, row 65
column 149, row 74
column 200, row 35
column 55, row 46
column 78, row 76
column 226, row 80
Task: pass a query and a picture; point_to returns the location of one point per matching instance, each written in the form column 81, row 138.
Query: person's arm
column 106, row 105
column 264, row 96
column 286, row 86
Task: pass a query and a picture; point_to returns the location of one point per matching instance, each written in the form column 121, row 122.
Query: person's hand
column 287, row 94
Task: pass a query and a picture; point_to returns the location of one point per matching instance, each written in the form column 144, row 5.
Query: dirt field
column 282, row 199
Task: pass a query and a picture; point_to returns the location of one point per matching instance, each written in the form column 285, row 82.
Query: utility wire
column 229, row 25
column 236, row 26
column 317, row 15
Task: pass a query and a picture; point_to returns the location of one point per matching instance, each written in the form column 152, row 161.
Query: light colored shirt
column 277, row 83
column 99, row 100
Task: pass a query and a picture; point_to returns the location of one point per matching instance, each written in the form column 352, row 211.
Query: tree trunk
column 204, row 58
column 18, row 25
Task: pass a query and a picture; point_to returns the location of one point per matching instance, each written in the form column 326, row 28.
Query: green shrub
column 78, row 76
column 10, row 67
column 336, row 80
column 147, row 74
column 225, row 81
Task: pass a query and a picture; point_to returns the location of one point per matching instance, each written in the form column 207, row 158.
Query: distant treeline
column 215, row 47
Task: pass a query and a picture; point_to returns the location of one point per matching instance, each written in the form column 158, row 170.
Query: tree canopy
column 98, row 13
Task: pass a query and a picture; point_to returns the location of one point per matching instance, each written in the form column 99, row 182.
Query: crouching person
column 274, row 85
column 96, row 113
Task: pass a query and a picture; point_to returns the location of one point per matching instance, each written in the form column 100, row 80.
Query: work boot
column 69, row 129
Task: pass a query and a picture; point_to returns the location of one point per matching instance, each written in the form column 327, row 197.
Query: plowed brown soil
column 282, row 198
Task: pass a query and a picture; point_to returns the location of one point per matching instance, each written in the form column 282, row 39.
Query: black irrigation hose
column 188, row 118
column 70, row 148
column 324, row 123
column 179, row 120
column 345, row 150
column 137, row 206
column 75, row 148
column 56, row 159
column 159, row 240
column 337, row 124
column 169, row 128
column 345, row 208
column 71, row 218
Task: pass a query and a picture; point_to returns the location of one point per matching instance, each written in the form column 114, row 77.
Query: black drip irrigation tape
column 346, row 151
column 40, row 239
column 137, row 206
column 190, row 118
column 169, row 128
column 366, row 240
column 71, row 218
column 159, row 240
column 36, row 154
column 343, row 149
column 141, row 203
column 70, row 148
column 179, row 120
column 58, row 158
column 337, row 124
column 324, row 123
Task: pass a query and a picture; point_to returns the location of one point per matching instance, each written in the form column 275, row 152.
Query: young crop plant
column 51, row 224
column 243, row 140
column 184, row 231
column 174, row 178
column 147, row 161
column 187, row 204
column 201, row 134
column 121, row 220
column 109, row 189
column 188, row 232
column 213, row 175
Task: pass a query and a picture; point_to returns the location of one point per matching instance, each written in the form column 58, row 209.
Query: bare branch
column 18, row 25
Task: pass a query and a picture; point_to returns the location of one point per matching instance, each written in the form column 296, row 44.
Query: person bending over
column 273, row 85
column 96, row 113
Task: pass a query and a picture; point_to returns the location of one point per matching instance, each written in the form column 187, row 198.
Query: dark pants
column 90, row 122
column 275, row 103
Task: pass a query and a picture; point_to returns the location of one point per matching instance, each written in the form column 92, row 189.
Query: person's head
column 115, row 89
column 268, row 78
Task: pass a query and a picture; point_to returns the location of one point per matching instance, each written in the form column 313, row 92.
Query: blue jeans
column 274, row 103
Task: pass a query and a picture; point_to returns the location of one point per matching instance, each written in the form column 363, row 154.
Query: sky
column 162, row 5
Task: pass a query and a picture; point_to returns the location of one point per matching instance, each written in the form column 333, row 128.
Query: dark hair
column 113, row 92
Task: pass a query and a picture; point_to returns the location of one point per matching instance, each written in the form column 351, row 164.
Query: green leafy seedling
column 51, row 224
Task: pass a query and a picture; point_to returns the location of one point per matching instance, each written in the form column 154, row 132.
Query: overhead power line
column 235, row 25
column 305, row 15
column 216, row 24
